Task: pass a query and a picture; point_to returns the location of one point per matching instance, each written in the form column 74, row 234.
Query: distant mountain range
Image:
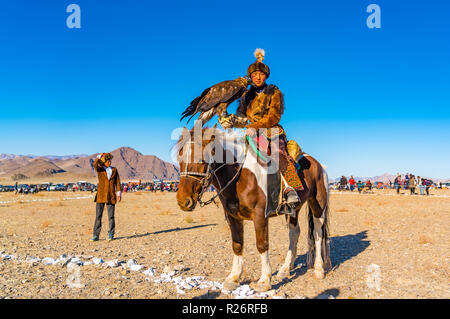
column 50, row 157
column 130, row 163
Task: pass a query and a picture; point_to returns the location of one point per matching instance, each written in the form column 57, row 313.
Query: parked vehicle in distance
column 34, row 188
column 57, row 187
column 44, row 186
column 7, row 188
column 23, row 188
column 70, row 187
column 82, row 185
column 86, row 186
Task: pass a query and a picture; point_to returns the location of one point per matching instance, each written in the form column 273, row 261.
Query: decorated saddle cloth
column 267, row 171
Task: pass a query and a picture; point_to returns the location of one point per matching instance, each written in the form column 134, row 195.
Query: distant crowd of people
column 408, row 182
column 151, row 187
column 351, row 185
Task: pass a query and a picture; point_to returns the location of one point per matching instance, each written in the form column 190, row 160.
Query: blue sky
column 362, row 101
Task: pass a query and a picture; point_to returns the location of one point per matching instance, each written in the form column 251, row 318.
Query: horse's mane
column 231, row 140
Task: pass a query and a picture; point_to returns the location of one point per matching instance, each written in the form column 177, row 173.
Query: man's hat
column 258, row 65
column 107, row 157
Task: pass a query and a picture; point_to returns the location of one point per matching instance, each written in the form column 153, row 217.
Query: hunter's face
column 107, row 163
column 258, row 78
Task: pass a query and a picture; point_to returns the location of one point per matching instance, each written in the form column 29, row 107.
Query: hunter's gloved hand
column 226, row 121
column 239, row 121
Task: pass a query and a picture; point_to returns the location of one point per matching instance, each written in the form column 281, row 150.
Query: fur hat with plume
column 258, row 65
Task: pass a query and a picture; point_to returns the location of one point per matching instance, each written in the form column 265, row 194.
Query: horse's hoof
column 230, row 285
column 262, row 287
column 282, row 274
column 319, row 274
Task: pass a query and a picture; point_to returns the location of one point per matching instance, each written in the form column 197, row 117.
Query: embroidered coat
column 263, row 107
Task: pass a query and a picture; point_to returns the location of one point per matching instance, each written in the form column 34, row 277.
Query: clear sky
column 362, row 101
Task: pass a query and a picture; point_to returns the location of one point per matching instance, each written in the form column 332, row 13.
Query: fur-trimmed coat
column 263, row 109
column 107, row 188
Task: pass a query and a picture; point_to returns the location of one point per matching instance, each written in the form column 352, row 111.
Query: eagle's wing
column 192, row 108
column 223, row 92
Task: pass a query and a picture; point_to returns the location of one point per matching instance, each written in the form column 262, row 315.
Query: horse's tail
column 325, row 250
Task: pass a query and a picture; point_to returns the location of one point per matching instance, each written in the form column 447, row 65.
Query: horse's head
column 194, row 158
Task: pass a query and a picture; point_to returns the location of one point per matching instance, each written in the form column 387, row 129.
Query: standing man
column 109, row 192
column 412, row 184
column 398, row 182
column 421, row 185
column 352, row 183
column 343, row 183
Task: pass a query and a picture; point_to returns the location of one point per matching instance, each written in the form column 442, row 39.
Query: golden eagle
column 215, row 99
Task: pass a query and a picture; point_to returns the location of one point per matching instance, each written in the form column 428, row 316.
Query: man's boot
column 291, row 196
column 292, row 200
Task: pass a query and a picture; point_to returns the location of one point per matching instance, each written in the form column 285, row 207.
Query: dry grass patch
column 10, row 232
column 166, row 212
column 56, row 204
column 46, row 223
column 424, row 239
column 188, row 219
column 369, row 222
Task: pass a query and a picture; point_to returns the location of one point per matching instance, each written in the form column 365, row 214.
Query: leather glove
column 226, row 121
column 239, row 121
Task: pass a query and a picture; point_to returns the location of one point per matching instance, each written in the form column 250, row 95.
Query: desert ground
column 383, row 245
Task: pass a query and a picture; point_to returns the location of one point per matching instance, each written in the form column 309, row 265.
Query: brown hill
column 130, row 163
column 133, row 165
column 11, row 164
column 38, row 167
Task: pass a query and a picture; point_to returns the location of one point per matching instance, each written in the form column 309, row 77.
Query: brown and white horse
column 244, row 198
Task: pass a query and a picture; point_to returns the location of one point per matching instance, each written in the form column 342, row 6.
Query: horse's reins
column 206, row 180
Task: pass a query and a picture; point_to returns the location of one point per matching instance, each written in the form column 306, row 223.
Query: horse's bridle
column 206, row 179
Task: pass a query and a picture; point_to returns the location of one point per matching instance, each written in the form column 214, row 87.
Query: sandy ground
column 382, row 246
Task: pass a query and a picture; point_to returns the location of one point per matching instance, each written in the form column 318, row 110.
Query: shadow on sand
column 342, row 248
column 164, row 231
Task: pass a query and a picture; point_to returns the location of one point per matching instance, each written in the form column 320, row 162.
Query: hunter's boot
column 292, row 199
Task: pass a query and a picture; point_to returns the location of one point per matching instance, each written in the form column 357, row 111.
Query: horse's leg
column 261, row 224
column 318, row 238
column 237, row 235
column 319, row 272
column 294, row 233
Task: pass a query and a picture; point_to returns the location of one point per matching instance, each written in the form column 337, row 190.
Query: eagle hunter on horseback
column 247, row 186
